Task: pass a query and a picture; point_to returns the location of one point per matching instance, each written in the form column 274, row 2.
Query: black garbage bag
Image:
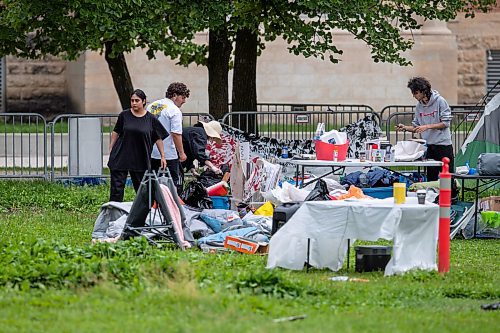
column 209, row 178
column 195, row 195
column 319, row 193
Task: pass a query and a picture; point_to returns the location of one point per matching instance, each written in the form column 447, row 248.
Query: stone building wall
column 474, row 38
column 36, row 86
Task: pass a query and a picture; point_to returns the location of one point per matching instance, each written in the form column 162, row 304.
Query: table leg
column 308, row 252
column 476, row 203
column 303, row 175
column 348, row 247
column 297, row 175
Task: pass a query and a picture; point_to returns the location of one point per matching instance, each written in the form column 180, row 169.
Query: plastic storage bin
column 379, row 192
column 324, row 151
column 372, row 257
column 220, row 202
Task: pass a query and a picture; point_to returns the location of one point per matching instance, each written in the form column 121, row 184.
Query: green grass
column 33, row 127
column 53, row 280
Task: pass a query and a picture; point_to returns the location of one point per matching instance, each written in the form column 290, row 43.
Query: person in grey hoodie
column 432, row 121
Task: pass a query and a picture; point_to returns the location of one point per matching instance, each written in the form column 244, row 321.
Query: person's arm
column 177, row 138
column 117, row 131
column 404, row 128
column 159, row 144
column 114, row 137
column 176, row 133
column 423, row 128
column 213, row 167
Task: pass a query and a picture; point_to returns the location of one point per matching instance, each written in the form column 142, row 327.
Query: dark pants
column 118, row 179
column 175, row 168
column 437, row 152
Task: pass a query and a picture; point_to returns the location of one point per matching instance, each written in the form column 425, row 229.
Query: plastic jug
column 399, row 192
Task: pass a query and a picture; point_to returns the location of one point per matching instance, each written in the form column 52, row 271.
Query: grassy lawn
column 53, row 280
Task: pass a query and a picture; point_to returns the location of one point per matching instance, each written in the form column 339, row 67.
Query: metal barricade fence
column 277, row 107
column 80, row 145
column 391, row 109
column 292, row 125
column 189, row 119
column 23, row 145
column 461, row 125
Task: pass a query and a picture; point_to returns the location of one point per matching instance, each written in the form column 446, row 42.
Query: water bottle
column 320, row 129
column 284, row 152
column 393, row 154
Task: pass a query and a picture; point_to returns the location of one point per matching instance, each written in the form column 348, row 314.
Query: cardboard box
column 244, row 245
column 490, row 203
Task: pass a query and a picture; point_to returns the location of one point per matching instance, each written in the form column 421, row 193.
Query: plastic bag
column 319, row 193
column 195, row 195
column 209, row 178
column 266, row 209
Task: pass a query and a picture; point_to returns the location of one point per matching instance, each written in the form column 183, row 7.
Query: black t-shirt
column 194, row 141
column 136, row 137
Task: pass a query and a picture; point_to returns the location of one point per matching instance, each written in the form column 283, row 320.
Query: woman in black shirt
column 132, row 139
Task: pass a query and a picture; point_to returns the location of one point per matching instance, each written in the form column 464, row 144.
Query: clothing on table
column 435, row 111
column 170, row 116
column 194, row 141
column 132, row 150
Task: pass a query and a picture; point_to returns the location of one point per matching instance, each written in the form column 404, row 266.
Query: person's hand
column 421, row 128
column 216, row 170
column 163, row 163
column 182, row 157
column 194, row 172
column 400, row 127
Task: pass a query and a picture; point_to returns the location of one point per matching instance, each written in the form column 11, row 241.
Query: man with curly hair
column 432, row 120
column 170, row 116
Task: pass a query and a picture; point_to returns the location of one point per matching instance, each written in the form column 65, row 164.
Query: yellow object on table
column 399, row 193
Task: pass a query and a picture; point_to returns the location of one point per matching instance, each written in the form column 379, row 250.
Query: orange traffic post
column 444, row 217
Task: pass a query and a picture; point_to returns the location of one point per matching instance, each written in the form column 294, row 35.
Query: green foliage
column 41, row 195
column 309, row 26
column 71, row 27
column 32, row 29
column 40, row 264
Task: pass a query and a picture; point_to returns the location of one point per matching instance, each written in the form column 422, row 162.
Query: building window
column 492, row 73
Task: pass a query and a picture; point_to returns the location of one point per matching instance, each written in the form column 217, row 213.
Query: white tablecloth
column 328, row 224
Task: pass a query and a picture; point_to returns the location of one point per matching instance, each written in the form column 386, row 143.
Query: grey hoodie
column 435, row 111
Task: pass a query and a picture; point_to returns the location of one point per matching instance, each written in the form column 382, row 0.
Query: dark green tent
column 484, row 138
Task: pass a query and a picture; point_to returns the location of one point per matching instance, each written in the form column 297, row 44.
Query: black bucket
column 372, row 257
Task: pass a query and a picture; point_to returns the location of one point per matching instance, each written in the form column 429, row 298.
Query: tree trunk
column 244, row 79
column 121, row 76
column 219, row 52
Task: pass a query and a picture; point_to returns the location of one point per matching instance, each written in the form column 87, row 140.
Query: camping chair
column 461, row 214
column 150, row 202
